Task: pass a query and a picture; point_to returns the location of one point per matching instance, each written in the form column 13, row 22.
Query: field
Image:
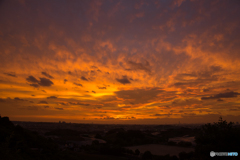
column 157, row 149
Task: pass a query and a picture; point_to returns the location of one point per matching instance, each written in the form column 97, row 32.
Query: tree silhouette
column 217, row 137
column 137, row 152
column 147, row 155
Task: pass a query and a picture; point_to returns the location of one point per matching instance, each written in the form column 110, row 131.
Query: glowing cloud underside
column 120, row 61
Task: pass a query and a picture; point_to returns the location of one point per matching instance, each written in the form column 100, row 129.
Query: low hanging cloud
column 123, row 80
column 47, row 75
column 222, row 95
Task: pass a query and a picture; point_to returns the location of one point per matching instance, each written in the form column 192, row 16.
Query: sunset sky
column 120, row 61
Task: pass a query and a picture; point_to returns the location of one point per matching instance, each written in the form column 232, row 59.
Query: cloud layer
column 113, row 60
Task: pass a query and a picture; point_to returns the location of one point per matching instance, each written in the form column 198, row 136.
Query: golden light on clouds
column 120, row 61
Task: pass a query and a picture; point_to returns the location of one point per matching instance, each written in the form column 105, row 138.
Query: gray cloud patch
column 78, row 84
column 160, row 115
column 52, row 97
column 18, row 99
column 84, row 78
column 79, row 103
column 45, row 82
column 59, row 108
column 32, row 79
column 139, row 66
column 124, row 80
column 43, row 102
column 222, row 95
column 102, row 87
column 139, row 95
column 65, row 80
column 35, row 83
column 35, row 108
column 12, row 74
column 2, row 100
column 47, row 75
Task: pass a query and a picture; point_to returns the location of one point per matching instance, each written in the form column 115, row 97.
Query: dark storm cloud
column 65, row 80
column 124, row 80
column 58, row 108
column 47, row 75
column 83, row 78
column 45, row 82
column 52, row 97
column 43, row 102
column 12, row 74
column 78, row 84
column 93, row 92
column 140, row 66
column 222, row 95
column 32, row 79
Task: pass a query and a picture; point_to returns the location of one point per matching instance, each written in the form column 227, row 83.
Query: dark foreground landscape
column 70, row 141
